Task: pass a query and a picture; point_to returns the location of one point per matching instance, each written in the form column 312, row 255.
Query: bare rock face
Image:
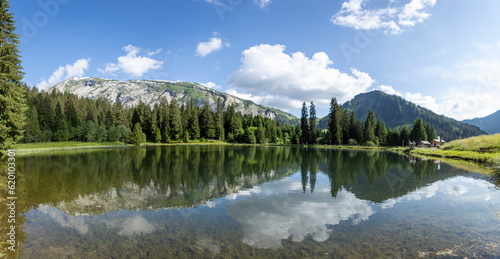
column 150, row 92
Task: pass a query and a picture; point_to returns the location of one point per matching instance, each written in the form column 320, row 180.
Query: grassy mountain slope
column 130, row 93
column 396, row 111
column 490, row 123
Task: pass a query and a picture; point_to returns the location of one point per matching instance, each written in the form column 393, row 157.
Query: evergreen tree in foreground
column 334, row 123
column 304, row 125
column 138, row 137
column 12, row 93
column 312, row 124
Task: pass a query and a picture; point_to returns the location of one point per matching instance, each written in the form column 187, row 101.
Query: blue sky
column 441, row 54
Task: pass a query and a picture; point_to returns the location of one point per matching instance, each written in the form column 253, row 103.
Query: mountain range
column 393, row 110
column 396, row 111
column 130, row 93
column 490, row 123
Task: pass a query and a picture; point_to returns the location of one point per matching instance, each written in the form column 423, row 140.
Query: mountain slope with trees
column 150, row 92
column 490, row 123
column 396, row 112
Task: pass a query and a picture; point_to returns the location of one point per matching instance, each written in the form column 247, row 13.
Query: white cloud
column 212, row 85
column 473, row 85
column 272, row 77
column 65, row 72
column 266, row 222
column 425, row 101
column 136, row 225
column 214, row 44
column 393, row 19
column 65, row 220
column 262, row 3
column 133, row 63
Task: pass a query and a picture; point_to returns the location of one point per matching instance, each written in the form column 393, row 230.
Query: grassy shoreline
column 466, row 150
column 57, row 146
column 483, row 149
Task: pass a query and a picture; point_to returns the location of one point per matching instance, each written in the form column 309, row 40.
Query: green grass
column 475, row 143
column 65, row 144
column 56, row 146
column 467, row 149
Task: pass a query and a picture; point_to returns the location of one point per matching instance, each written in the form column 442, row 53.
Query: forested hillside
column 396, row 112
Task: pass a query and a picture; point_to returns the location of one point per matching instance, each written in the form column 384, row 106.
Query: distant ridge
column 490, row 123
column 396, row 112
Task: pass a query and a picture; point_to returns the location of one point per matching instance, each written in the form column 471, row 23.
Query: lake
column 248, row 201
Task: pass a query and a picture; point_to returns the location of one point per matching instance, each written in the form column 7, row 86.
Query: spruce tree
column 207, row 129
column 381, row 132
column 334, row 123
column 32, row 133
column 312, row 124
column 304, row 124
column 418, row 131
column 370, row 124
column 12, row 92
column 175, row 120
column 193, row 125
column 219, row 130
column 138, row 137
column 404, row 136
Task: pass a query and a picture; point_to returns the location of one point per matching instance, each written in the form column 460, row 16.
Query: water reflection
column 202, row 201
column 285, row 212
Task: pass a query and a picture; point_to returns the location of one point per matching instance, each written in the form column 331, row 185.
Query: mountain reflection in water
column 199, row 201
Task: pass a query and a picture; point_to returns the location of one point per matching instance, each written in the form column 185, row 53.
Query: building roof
column 437, row 140
column 425, row 142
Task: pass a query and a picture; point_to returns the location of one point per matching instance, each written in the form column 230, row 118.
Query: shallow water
column 263, row 202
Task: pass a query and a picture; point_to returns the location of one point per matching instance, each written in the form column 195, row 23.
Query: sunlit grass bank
column 53, row 146
column 482, row 149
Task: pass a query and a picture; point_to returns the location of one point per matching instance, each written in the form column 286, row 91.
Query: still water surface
column 263, row 202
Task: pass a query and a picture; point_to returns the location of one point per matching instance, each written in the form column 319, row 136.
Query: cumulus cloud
column 425, row 101
column 136, row 225
column 473, row 85
column 214, row 44
column 65, row 220
column 212, row 85
column 133, row 63
column 65, row 72
column 269, row 76
column 267, row 221
column 394, row 19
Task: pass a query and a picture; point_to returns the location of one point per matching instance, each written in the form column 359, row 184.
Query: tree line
column 345, row 129
column 60, row 116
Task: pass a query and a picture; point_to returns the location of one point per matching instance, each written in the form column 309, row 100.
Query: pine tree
column 345, row 124
column 157, row 135
column 12, row 93
column 404, row 136
column 381, row 132
column 431, row 132
column 304, row 124
column 418, row 131
column 193, row 125
column 61, row 126
column 355, row 130
column 175, row 120
column 32, row 133
column 207, row 129
column 138, row 137
column 312, row 124
column 219, row 130
column 334, row 123
column 370, row 124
